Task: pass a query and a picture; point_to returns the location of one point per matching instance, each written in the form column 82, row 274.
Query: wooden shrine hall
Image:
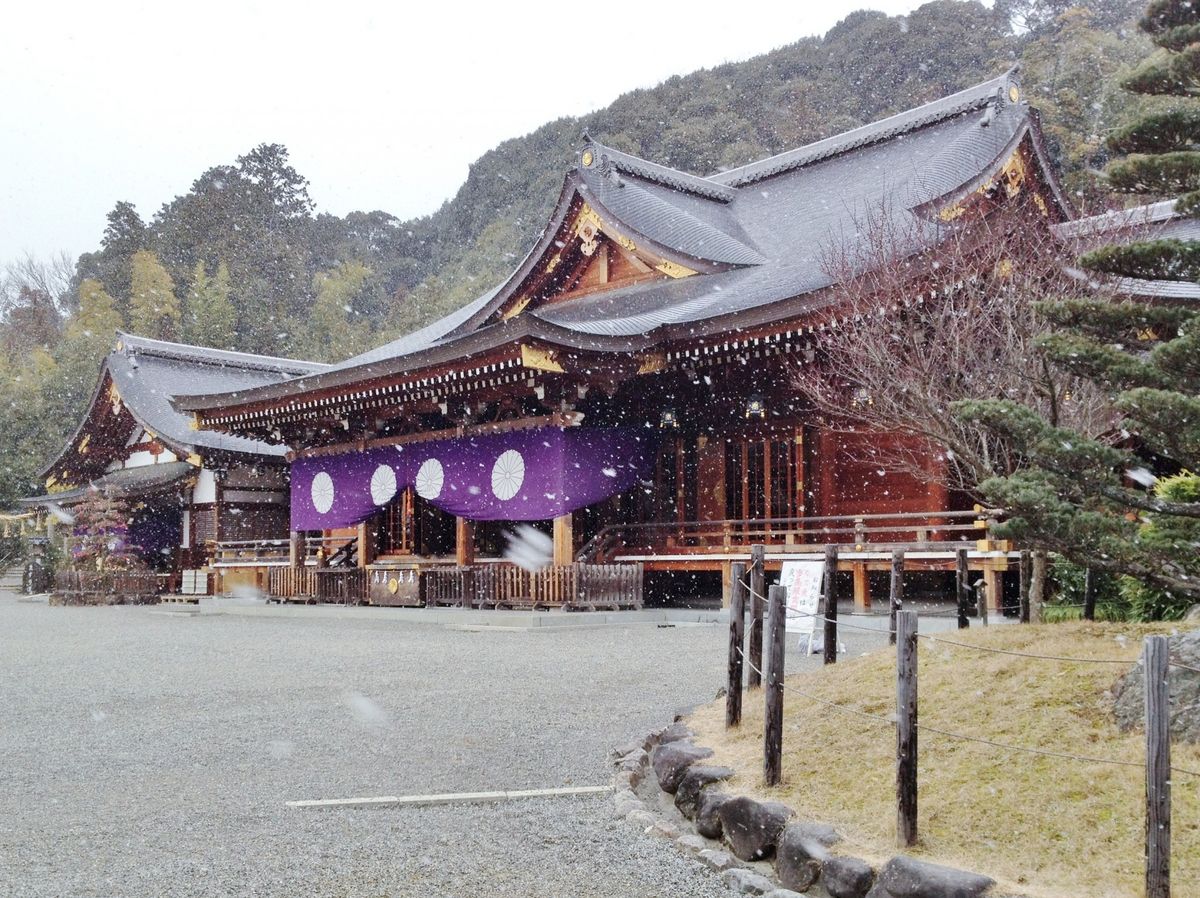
column 187, row 490
column 625, row 390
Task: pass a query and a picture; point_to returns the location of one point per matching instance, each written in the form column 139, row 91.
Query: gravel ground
column 150, row 753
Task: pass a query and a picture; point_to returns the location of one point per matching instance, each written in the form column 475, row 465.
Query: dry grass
column 1045, row 827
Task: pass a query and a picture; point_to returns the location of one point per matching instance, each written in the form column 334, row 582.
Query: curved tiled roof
column 761, row 235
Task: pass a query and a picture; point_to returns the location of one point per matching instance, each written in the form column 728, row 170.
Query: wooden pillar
column 993, row 583
column 366, row 543
column 564, row 540
column 296, row 548
column 862, row 588
column 773, row 693
column 726, row 585
column 464, row 542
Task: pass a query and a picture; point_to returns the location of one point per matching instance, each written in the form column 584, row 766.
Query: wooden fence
column 1155, row 664
column 105, row 588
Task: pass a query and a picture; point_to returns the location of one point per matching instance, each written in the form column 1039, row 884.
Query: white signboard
column 803, row 581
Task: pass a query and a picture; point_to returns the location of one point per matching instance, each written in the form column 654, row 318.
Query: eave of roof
column 495, row 336
column 179, row 364
column 142, row 481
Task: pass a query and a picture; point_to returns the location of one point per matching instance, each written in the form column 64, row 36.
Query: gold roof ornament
column 587, row 158
column 1014, row 95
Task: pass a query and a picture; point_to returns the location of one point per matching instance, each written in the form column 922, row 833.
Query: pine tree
column 153, row 308
column 211, row 318
column 1130, row 504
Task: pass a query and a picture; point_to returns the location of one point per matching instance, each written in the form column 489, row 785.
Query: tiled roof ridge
column 209, row 356
column 651, row 171
column 976, row 97
column 1117, row 219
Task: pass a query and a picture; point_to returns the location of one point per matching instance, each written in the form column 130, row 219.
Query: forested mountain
column 243, row 260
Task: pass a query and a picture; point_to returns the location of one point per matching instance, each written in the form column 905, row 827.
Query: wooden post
column 296, row 548
column 758, row 596
column 464, row 542
column 773, row 715
column 1089, row 594
column 726, row 585
column 862, row 588
column 1025, row 573
column 737, row 633
column 1037, row 586
column 895, row 593
column 962, row 587
column 829, row 606
column 981, row 601
column 564, row 540
column 906, row 729
column 1155, row 659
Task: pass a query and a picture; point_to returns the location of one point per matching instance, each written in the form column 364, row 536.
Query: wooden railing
column 105, row 588
column 849, row 532
column 292, row 583
column 570, row 586
column 341, row 585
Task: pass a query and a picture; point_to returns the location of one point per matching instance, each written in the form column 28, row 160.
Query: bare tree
column 918, row 330
column 50, row 277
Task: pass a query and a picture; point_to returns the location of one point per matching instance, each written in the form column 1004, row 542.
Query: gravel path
column 149, row 753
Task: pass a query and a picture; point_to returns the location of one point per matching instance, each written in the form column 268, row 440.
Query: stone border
column 663, row 786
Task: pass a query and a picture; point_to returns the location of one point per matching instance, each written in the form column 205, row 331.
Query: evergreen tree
column 153, row 308
column 210, row 317
column 1086, row 498
column 101, row 533
column 335, row 330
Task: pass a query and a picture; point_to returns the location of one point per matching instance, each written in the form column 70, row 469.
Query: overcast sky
column 382, row 105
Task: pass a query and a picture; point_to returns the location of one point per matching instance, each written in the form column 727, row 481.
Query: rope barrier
column 981, row 648
column 879, row 718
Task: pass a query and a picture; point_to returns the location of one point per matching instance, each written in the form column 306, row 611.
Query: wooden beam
column 564, row 540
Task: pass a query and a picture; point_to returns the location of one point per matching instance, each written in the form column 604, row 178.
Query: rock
column 626, row 780
column 797, row 873
column 625, row 808
column 692, row 844
column 625, row 795
column 846, row 877
column 641, row 817
column 782, row 893
column 1193, row 613
column 676, row 732
column 904, row 877
column 708, row 821
column 693, row 783
column 672, row 760
column 801, row 849
column 1184, row 689
column 635, row 760
column 751, row 828
column 621, row 751
column 746, row 882
column 664, row 830
column 718, row 860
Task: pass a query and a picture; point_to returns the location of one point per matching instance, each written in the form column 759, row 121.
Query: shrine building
column 187, row 490
column 626, row 388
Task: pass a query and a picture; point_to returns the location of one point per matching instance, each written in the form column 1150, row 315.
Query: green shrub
column 1170, row 537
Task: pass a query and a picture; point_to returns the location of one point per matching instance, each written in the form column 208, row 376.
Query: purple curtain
column 524, row 475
